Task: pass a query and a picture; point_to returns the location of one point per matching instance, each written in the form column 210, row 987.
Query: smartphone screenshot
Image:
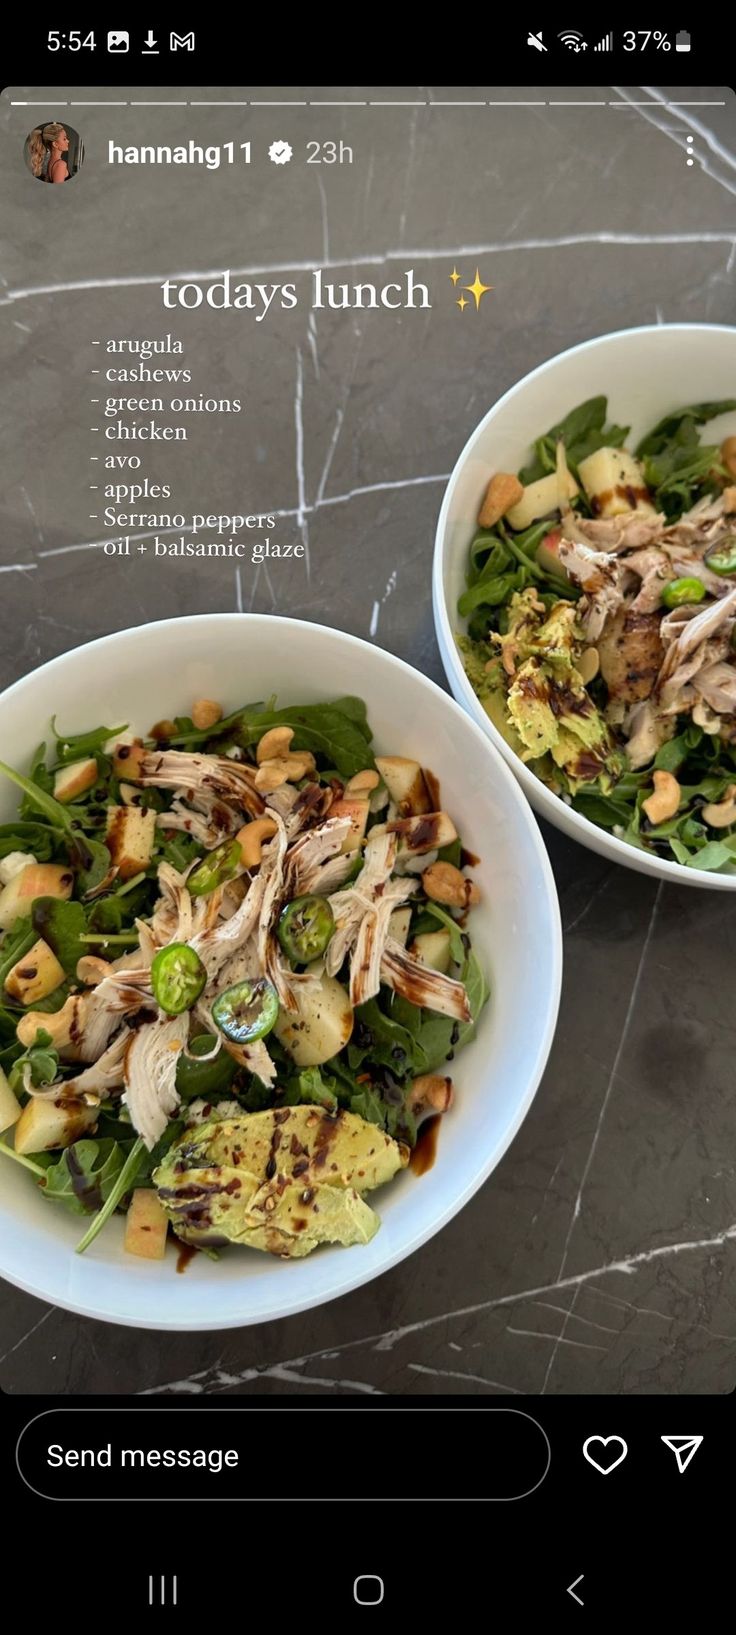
column 368, row 821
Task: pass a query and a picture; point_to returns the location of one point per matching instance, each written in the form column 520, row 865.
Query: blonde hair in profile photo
column 40, row 143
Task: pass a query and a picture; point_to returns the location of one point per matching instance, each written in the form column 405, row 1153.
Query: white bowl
column 645, row 373
column 155, row 672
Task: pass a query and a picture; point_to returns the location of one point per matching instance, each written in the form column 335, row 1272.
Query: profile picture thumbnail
column 54, row 152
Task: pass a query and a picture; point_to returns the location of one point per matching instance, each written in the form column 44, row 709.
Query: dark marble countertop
column 600, row 1256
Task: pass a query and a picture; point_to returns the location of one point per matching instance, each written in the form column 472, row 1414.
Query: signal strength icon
column 606, row 44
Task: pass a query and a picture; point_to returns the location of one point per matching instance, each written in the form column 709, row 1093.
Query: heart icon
column 611, row 1451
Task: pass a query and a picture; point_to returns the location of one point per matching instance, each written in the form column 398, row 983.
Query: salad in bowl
column 600, row 608
column 236, row 964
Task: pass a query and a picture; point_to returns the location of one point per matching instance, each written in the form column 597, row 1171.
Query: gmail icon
column 181, row 42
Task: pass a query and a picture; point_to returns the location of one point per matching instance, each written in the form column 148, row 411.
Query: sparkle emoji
column 455, row 276
column 477, row 289
column 462, row 303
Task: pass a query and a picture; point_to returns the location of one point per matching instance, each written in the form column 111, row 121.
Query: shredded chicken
column 299, row 808
column 350, row 905
column 218, row 942
column 373, row 935
column 421, row 985
column 647, row 731
column 207, row 830
column 693, row 642
column 82, row 1029
column 203, row 779
column 623, row 533
column 151, row 1061
column 716, row 683
column 307, row 857
column 104, row 1075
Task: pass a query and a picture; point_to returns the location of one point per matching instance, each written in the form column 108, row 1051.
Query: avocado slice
column 283, row 1181
column 548, row 704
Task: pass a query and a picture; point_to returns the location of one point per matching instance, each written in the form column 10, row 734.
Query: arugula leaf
column 38, row 797
column 75, row 747
column 42, row 1061
column 582, row 431
column 90, row 859
column 16, row 944
column 61, row 925
column 325, row 729
column 667, row 429
column 122, row 1183
column 439, row 1036
column 378, row 1038
column 83, row 1177
column 26, row 837
column 178, row 849
column 311, row 1085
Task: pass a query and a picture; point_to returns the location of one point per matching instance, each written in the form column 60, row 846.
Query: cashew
column 728, row 455
column 589, row 665
column 729, row 500
column 251, row 838
column 502, row 492
column 206, row 713
column 271, row 775
column 705, row 717
column 284, row 769
column 301, row 764
column 430, row 1094
column 666, row 798
column 362, row 784
column 721, row 814
column 274, row 744
column 163, row 730
column 60, row 1025
column 91, row 970
column 445, row 884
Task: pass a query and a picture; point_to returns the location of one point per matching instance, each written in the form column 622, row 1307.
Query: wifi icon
column 573, row 40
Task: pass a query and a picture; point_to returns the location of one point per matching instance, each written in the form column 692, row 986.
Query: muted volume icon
column 606, row 44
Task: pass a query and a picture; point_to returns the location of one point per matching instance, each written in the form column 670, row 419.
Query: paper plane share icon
column 684, row 1449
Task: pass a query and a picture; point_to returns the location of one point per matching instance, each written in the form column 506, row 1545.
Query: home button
column 368, row 1590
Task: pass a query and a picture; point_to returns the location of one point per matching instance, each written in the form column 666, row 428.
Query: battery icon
column 682, row 42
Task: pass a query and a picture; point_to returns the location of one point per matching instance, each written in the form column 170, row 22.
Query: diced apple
column 539, row 500
column 130, row 838
column 357, row 811
column 398, row 925
column 74, row 779
column 9, row 1104
column 614, row 483
column 321, row 1025
column 417, row 835
column 548, row 553
column 35, row 880
column 35, row 975
column 432, row 948
column 127, row 757
column 45, row 1124
column 405, row 783
column 146, row 1225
